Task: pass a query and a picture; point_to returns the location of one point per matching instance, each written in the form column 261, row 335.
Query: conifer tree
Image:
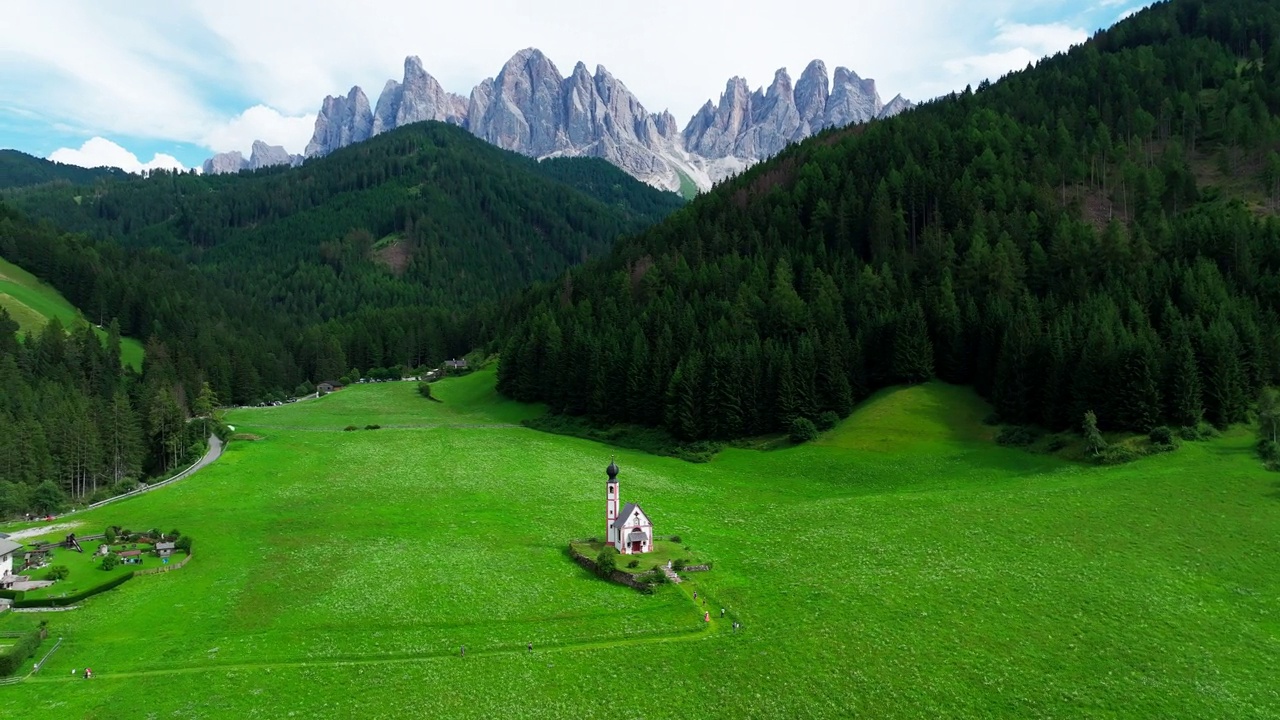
column 912, row 350
column 1182, row 379
column 1093, row 439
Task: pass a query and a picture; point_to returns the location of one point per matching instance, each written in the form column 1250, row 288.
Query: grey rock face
column 774, row 120
column 811, row 95
column 227, row 162
column 341, row 121
column 265, row 155
column 895, row 106
column 714, row 132
column 526, row 104
column 384, row 115
column 419, row 97
column 853, row 100
column 531, row 109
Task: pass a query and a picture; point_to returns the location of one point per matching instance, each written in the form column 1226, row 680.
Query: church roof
column 626, row 514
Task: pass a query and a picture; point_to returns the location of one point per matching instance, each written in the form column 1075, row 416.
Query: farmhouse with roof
column 7, row 550
column 629, row 530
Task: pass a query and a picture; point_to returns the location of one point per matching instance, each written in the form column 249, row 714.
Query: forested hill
column 18, row 169
column 1094, row 233
column 423, row 215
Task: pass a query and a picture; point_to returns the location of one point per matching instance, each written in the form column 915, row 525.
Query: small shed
column 35, row 559
column 131, row 557
column 164, row 549
column 328, row 386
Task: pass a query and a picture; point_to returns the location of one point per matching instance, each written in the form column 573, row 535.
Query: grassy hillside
column 902, row 566
column 32, row 303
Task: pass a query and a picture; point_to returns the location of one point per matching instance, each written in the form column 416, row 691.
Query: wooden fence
column 162, row 568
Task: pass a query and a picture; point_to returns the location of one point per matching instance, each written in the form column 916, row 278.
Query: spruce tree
column 912, row 350
column 1093, row 439
column 1182, row 380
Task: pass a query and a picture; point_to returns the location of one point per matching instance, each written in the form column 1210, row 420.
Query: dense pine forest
column 258, row 284
column 18, row 169
column 372, row 257
column 426, row 215
column 1096, row 233
column 78, row 426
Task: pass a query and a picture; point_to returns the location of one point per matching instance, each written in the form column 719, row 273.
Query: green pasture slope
column 32, row 303
column 902, row 566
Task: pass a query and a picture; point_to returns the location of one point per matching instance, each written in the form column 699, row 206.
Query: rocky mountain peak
column 340, row 122
column 527, row 93
column 227, row 162
column 265, row 155
column 811, row 93
column 853, row 100
column 528, row 107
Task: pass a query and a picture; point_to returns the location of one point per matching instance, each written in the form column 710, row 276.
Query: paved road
column 213, row 453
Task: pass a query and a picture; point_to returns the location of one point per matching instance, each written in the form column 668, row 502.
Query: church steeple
column 611, row 501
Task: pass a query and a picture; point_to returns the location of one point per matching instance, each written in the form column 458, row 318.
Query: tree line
column 79, row 426
column 1095, row 233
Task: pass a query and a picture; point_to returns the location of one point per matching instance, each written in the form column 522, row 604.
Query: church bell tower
column 611, row 502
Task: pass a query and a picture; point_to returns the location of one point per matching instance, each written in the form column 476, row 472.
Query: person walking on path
column 464, row 651
column 722, row 613
column 530, row 647
column 706, row 617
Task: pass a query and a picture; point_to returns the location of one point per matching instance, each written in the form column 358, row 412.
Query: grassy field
column 32, row 303
column 901, row 566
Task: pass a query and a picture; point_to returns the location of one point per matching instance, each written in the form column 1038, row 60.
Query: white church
column 630, row 530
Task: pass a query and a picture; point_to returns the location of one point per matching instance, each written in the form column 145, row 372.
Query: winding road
column 213, row 453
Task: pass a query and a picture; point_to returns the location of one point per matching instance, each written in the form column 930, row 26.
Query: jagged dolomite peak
column 227, row 162
column 341, row 121
column 530, row 108
column 265, row 155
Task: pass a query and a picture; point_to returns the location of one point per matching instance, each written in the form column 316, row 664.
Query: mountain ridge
column 531, row 108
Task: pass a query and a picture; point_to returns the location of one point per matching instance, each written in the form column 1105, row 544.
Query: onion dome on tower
column 612, row 470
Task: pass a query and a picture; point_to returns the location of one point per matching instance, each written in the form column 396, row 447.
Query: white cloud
column 1013, row 47
column 1043, row 39
column 183, row 71
column 101, row 152
column 261, row 123
column 1128, row 13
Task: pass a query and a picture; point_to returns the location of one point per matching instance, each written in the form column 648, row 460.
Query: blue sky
column 168, row 82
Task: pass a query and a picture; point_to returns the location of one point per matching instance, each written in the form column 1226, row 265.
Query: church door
column 635, row 546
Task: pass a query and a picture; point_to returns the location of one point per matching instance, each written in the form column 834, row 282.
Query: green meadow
column 32, row 303
column 902, row 566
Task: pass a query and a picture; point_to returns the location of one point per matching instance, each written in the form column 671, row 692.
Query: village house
column 328, row 386
column 164, row 549
column 8, row 549
column 629, row 530
column 456, row 364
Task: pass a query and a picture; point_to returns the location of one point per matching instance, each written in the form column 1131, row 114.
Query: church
column 630, row 530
